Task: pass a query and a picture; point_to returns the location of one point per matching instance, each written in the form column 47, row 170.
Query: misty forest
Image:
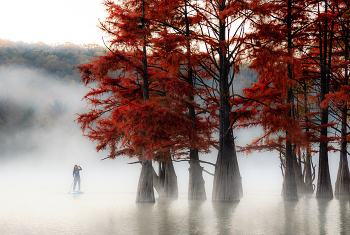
column 218, row 88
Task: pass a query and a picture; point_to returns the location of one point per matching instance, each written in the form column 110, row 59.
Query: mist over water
column 34, row 182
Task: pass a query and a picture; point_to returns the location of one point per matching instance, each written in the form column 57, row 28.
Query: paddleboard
column 76, row 192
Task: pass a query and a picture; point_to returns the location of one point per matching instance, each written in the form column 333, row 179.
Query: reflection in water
column 164, row 214
column 224, row 213
column 290, row 222
column 48, row 212
column 322, row 208
column 195, row 216
column 344, row 212
column 144, row 217
column 305, row 206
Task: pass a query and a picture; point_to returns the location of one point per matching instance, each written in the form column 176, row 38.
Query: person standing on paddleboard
column 76, row 176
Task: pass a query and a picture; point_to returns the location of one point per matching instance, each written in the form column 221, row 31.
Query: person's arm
column 80, row 168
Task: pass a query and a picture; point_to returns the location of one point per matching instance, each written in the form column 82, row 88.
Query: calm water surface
column 52, row 212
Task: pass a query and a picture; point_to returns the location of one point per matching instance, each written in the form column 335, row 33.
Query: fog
column 37, row 160
column 60, row 145
column 57, row 148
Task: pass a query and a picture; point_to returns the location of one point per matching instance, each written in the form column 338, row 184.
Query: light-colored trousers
column 76, row 180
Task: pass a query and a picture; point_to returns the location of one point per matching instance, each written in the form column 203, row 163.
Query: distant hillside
column 39, row 90
column 57, row 60
column 244, row 79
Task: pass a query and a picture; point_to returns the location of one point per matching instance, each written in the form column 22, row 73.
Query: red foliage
column 270, row 53
column 118, row 117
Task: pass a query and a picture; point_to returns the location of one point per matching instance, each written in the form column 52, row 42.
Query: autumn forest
column 176, row 79
column 164, row 91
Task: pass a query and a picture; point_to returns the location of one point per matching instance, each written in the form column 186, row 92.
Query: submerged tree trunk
column 145, row 191
column 308, row 175
column 166, row 181
column 342, row 184
column 308, row 179
column 196, row 185
column 227, row 178
column 289, row 186
column 298, row 175
column 324, row 185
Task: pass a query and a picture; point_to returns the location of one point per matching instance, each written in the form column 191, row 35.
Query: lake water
column 34, row 197
column 27, row 210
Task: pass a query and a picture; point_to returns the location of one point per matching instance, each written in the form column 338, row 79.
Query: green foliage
column 51, row 114
column 15, row 123
column 19, row 122
column 58, row 60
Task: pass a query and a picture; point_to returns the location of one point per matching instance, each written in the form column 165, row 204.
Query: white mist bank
column 59, row 147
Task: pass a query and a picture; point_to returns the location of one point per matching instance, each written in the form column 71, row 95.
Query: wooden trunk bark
column 166, row 181
column 145, row 192
column 289, row 187
column 342, row 184
column 227, row 178
column 308, row 179
column 196, row 185
column 308, row 173
column 298, row 176
column 324, row 185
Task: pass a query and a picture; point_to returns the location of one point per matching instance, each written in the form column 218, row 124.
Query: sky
column 51, row 21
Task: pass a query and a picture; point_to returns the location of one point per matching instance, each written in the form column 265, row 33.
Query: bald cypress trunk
column 227, row 178
column 342, row 184
column 308, row 160
column 324, row 185
column 196, row 184
column 166, row 181
column 308, row 173
column 298, row 175
column 289, row 187
column 145, row 191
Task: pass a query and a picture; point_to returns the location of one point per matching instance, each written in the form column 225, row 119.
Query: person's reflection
column 224, row 214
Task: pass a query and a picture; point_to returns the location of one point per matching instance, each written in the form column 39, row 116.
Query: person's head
column 75, row 167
